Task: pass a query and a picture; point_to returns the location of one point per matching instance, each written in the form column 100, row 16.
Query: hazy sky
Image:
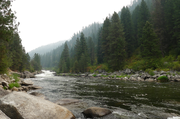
column 48, row 21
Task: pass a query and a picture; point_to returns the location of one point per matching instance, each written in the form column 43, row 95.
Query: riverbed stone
column 5, row 84
column 26, row 82
column 150, row 80
column 19, row 105
column 96, row 112
column 14, row 89
column 140, row 79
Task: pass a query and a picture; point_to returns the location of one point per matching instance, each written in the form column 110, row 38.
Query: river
column 127, row 99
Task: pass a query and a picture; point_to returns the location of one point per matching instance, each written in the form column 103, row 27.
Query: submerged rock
column 96, row 112
column 19, row 105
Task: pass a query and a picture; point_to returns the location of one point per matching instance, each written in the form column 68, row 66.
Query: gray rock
column 140, row 79
column 3, row 116
column 127, row 71
column 162, row 72
column 14, row 89
column 5, row 84
column 19, row 105
column 150, row 80
column 26, row 82
column 90, row 75
column 96, row 112
column 3, row 92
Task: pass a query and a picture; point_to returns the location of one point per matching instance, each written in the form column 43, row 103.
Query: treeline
column 12, row 53
column 141, row 36
column 52, row 59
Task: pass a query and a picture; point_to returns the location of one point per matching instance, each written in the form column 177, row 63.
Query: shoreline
column 128, row 75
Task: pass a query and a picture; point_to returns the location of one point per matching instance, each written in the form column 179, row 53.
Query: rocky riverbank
column 128, row 74
column 15, row 103
column 22, row 84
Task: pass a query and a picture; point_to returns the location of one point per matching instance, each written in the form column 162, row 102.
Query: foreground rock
column 96, row 112
column 3, row 116
column 19, row 105
column 3, row 92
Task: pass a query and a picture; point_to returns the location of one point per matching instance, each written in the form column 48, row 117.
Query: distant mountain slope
column 44, row 49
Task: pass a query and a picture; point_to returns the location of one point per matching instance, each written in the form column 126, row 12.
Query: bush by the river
column 162, row 79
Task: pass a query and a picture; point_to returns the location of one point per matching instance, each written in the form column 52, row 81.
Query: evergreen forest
column 142, row 36
column 12, row 54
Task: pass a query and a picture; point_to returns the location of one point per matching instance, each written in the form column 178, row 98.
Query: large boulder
column 3, row 92
column 3, row 116
column 26, row 82
column 96, row 112
column 19, row 105
column 27, row 74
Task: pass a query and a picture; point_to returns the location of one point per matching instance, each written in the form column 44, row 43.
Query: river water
column 127, row 99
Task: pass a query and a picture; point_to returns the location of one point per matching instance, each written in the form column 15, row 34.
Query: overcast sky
column 47, row 21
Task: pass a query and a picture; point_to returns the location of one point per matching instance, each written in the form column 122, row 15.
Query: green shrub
column 176, row 67
column 150, row 72
column 11, row 85
column 15, row 76
column 162, row 79
column 4, row 88
column 94, row 75
column 104, row 67
column 178, row 58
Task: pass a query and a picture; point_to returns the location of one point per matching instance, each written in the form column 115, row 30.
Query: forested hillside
column 51, row 59
column 12, row 53
column 44, row 49
column 142, row 36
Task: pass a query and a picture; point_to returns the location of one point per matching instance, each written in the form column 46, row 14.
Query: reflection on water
column 131, row 99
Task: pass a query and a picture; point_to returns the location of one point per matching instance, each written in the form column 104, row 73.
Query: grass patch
column 11, row 85
column 94, row 75
column 104, row 75
column 124, row 75
column 162, row 79
column 16, row 77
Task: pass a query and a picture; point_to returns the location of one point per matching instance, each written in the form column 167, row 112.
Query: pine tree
column 7, row 27
column 150, row 46
column 176, row 28
column 116, row 40
column 135, row 20
column 91, row 50
column 105, row 41
column 128, row 30
column 64, row 63
column 36, row 62
column 144, row 16
column 99, row 48
column 158, row 19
